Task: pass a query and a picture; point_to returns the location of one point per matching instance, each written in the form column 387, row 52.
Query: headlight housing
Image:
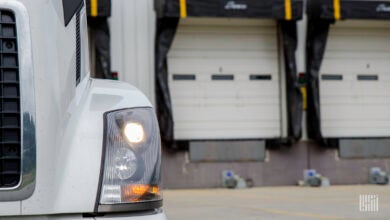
column 131, row 172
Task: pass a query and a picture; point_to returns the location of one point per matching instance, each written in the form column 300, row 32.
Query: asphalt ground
column 328, row 203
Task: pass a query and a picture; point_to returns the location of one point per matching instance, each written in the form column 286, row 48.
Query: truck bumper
column 123, row 216
column 158, row 216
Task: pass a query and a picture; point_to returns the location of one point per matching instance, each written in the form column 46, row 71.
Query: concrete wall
column 282, row 167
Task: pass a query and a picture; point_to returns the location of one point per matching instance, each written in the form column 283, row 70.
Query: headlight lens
column 134, row 132
column 132, row 157
column 125, row 163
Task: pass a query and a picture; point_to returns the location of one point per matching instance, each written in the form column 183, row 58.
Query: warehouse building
column 223, row 77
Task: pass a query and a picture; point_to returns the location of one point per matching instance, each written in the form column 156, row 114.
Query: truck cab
column 71, row 147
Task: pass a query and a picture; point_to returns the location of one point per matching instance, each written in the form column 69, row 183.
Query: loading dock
column 355, row 80
column 227, row 71
column 133, row 39
column 348, row 53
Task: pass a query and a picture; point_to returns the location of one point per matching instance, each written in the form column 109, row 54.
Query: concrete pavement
column 331, row 203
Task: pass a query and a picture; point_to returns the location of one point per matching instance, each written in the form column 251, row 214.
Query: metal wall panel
column 133, row 25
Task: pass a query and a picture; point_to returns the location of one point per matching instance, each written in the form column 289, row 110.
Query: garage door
column 224, row 79
column 355, row 80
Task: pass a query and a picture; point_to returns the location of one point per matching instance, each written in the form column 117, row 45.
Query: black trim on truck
column 78, row 48
column 71, row 7
column 134, row 207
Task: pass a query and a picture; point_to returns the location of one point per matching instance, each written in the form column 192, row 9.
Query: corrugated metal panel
column 356, row 105
column 233, row 105
column 133, row 26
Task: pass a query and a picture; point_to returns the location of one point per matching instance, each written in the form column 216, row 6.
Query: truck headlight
column 132, row 158
column 134, row 132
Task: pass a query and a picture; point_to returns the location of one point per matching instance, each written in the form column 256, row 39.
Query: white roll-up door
column 355, row 80
column 224, row 78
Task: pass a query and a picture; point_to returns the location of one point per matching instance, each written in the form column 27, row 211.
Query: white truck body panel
column 240, row 108
column 9, row 208
column 352, row 107
column 68, row 180
column 69, row 117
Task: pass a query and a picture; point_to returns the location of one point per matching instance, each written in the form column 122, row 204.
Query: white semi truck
column 71, row 147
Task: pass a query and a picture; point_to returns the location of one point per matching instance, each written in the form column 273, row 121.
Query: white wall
column 301, row 48
column 300, row 55
column 133, row 24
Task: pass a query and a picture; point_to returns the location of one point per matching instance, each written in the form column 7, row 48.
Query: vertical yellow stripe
column 304, row 97
column 183, row 8
column 94, row 8
column 288, row 9
column 337, row 13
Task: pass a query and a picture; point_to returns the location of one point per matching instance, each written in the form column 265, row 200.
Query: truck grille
column 10, row 116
